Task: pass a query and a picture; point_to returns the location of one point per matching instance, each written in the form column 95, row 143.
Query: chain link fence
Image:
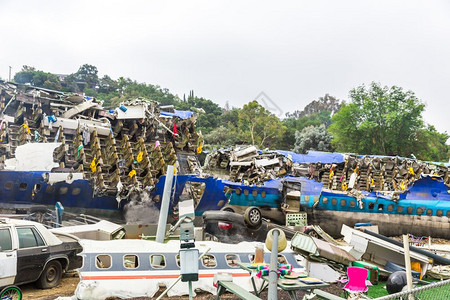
column 433, row 291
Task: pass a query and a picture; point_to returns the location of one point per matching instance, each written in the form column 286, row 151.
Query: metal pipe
column 408, row 265
column 273, row 276
column 164, row 210
column 190, row 290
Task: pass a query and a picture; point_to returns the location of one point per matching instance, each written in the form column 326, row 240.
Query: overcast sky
column 294, row 51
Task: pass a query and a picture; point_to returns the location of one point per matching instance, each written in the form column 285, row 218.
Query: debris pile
column 119, row 150
column 342, row 172
column 248, row 164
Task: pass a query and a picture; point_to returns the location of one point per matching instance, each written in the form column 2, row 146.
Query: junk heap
column 120, row 150
column 351, row 172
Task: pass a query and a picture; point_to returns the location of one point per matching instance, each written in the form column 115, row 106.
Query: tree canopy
column 378, row 120
column 312, row 138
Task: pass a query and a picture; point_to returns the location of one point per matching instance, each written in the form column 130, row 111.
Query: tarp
column 182, row 114
column 313, row 157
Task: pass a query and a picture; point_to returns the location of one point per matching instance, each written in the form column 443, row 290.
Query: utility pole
column 9, row 73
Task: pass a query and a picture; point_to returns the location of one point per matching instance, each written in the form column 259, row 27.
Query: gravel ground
column 69, row 283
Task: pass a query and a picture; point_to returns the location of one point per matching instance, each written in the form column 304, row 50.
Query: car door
column 8, row 257
column 31, row 255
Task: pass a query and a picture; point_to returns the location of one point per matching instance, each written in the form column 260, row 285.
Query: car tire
column 38, row 209
column 11, row 292
column 51, row 276
column 252, row 216
column 227, row 208
column 312, row 233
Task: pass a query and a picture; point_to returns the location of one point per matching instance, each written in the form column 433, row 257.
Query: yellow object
column 93, row 165
column 282, row 242
column 402, row 185
column 344, row 186
column 199, row 149
column 26, row 127
column 331, row 174
column 140, row 156
column 415, row 265
column 411, row 170
column 132, row 173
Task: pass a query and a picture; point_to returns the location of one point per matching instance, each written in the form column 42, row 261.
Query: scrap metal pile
column 349, row 172
column 248, row 164
column 120, row 150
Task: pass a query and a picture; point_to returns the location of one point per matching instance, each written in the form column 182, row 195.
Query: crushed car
column 29, row 252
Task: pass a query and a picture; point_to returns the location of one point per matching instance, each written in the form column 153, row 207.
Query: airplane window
column 178, row 260
column 5, row 240
column 131, row 261
column 251, row 257
column 103, row 261
column 209, row 261
column 158, row 261
column 232, row 260
column 9, row 185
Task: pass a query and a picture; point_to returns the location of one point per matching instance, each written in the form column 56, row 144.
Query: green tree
column 88, row 74
column 224, row 136
column 258, row 126
column 432, row 145
column 312, row 138
column 294, row 124
column 25, row 75
column 378, row 120
column 209, row 113
column 29, row 75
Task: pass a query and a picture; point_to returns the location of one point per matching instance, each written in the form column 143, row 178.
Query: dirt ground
column 69, row 283
column 65, row 288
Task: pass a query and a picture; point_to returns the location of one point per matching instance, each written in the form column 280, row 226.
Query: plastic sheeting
column 182, row 114
column 313, row 157
column 33, row 157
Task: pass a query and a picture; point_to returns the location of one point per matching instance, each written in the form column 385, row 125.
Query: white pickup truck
column 29, row 252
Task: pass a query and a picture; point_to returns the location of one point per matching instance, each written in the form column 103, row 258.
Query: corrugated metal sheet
column 307, row 245
column 304, row 244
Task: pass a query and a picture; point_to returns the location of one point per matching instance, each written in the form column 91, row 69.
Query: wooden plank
column 237, row 290
column 326, row 295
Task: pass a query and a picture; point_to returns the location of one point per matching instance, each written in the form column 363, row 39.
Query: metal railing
column 433, row 291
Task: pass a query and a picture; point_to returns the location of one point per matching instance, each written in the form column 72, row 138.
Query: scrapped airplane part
column 45, row 133
column 380, row 252
column 133, row 262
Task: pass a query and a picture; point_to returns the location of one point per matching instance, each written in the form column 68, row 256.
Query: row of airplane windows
column 157, row 261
